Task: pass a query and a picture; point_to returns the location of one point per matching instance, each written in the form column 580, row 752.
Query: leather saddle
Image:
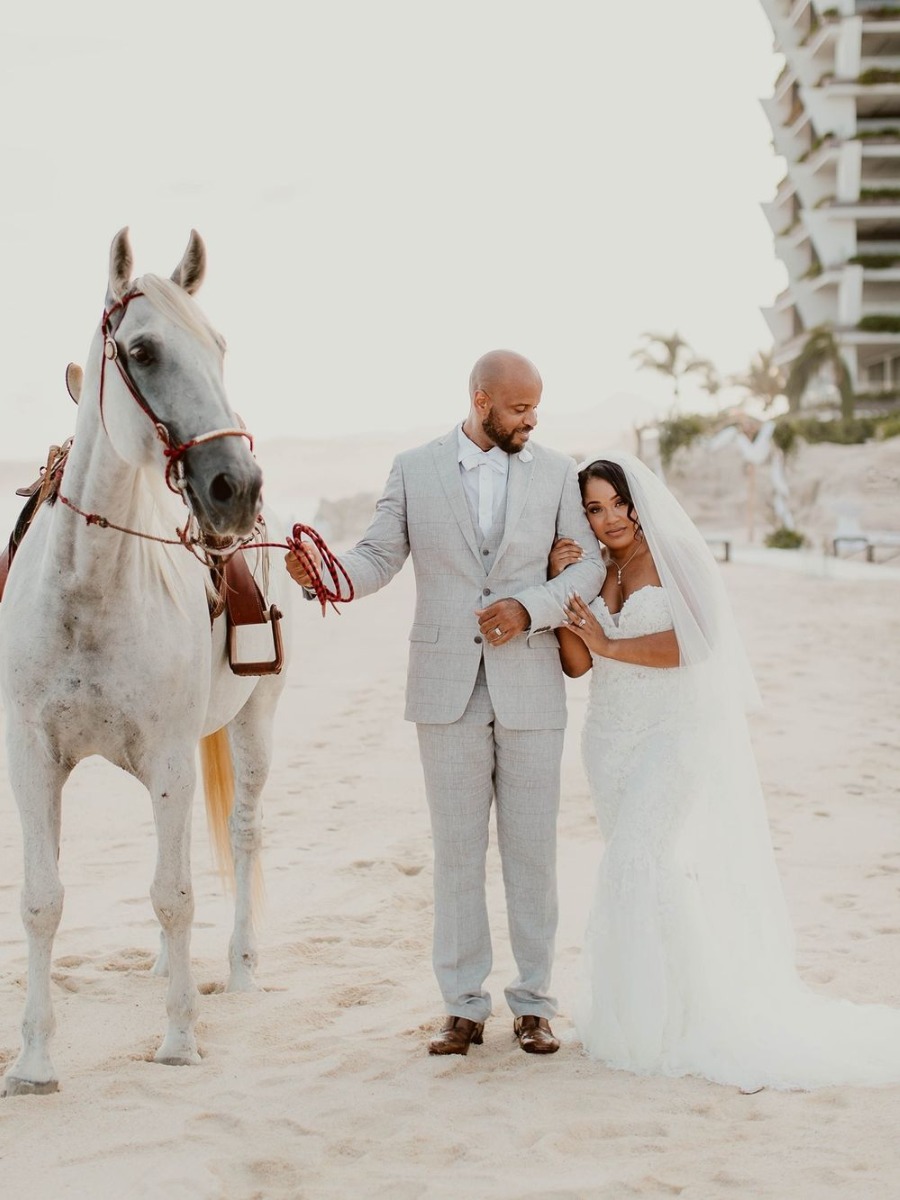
column 44, row 490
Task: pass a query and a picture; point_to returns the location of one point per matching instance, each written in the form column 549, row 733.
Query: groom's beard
column 512, row 441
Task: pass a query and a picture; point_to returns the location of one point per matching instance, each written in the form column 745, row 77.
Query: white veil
column 701, row 613
column 752, row 1018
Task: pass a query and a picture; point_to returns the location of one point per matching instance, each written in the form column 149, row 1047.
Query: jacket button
column 486, row 592
column 485, row 553
column 478, row 638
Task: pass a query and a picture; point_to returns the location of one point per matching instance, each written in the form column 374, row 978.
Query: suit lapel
column 446, row 455
column 520, row 476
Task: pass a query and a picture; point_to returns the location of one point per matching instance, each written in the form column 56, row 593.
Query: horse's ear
column 190, row 271
column 121, row 262
column 74, row 380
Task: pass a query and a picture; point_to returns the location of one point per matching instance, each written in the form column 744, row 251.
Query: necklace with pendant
column 619, row 569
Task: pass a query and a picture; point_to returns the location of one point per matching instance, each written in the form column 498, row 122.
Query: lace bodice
column 645, row 611
column 623, row 694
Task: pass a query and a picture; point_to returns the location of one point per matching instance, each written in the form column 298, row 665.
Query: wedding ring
column 498, row 633
column 581, row 622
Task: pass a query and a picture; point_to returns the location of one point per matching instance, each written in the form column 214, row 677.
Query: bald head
column 500, row 369
column 505, row 390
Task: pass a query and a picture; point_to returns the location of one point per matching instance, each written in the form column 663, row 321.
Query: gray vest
column 491, row 544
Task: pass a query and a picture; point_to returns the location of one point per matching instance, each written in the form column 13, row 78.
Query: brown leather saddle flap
column 243, row 600
column 245, row 605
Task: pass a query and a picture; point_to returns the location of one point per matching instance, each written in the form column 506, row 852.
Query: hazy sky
column 388, row 189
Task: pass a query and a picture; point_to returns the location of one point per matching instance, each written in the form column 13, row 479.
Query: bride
column 689, row 964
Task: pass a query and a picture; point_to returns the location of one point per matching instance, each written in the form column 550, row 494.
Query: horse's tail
column 218, row 784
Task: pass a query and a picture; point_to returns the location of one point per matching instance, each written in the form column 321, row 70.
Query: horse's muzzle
column 224, row 484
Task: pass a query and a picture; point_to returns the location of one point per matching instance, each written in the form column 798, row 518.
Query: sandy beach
column 319, row 1085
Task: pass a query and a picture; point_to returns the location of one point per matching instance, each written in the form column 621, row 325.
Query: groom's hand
column 501, row 622
column 298, row 565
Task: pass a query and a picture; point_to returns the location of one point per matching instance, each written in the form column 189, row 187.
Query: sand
column 319, row 1085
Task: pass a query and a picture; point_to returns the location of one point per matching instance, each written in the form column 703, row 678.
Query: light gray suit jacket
column 424, row 512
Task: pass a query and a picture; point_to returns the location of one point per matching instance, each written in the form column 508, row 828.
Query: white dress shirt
column 484, row 476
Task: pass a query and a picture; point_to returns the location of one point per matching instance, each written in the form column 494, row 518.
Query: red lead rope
column 324, row 594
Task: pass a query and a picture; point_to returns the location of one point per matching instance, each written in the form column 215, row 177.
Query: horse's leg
column 250, row 736
column 161, row 966
column 37, row 783
column 173, row 901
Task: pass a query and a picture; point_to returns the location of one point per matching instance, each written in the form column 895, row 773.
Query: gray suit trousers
column 468, row 765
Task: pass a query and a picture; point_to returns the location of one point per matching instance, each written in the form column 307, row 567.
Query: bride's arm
column 573, row 653
column 650, row 650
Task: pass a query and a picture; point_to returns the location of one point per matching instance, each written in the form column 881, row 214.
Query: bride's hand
column 565, row 552
column 581, row 621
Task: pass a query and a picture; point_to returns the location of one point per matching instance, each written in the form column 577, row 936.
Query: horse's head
column 167, row 399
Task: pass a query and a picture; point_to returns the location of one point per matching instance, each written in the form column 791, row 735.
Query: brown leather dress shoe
column 535, row 1035
column 455, row 1036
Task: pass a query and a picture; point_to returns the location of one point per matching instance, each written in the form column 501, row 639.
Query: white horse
column 105, row 640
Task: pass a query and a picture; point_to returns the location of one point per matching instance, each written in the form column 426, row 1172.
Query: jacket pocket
column 424, row 633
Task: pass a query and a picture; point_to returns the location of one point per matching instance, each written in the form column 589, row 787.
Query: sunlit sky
column 386, row 191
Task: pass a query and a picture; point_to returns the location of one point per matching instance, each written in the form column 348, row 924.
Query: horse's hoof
column 177, row 1053
column 242, row 981
column 12, row 1086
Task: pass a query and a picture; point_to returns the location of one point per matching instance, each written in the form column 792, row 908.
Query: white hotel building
column 835, row 117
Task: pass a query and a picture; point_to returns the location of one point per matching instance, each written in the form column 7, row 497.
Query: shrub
column 875, row 262
column 879, row 193
column 783, row 538
column 889, row 427
column 876, row 75
column 843, row 430
column 880, row 323
column 679, row 431
column 785, row 437
column 888, row 131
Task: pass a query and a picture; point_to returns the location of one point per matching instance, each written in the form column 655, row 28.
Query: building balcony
column 785, row 351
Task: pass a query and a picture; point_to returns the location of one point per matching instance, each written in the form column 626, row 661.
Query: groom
column 479, row 511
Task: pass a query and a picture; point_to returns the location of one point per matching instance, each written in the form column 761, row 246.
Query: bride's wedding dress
column 689, row 965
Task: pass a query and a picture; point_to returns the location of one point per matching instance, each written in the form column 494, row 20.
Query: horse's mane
column 174, row 303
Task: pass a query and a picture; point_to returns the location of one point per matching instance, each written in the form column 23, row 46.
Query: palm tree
column 820, row 351
column 763, row 379
column 712, row 382
column 669, row 355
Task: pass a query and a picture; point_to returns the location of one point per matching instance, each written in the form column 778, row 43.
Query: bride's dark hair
column 614, row 475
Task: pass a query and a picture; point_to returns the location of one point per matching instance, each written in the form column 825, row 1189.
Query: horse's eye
column 141, row 353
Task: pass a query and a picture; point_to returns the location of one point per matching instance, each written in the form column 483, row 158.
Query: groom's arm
column 544, row 602
column 384, row 547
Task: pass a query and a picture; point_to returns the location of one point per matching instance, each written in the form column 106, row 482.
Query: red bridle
column 174, row 453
